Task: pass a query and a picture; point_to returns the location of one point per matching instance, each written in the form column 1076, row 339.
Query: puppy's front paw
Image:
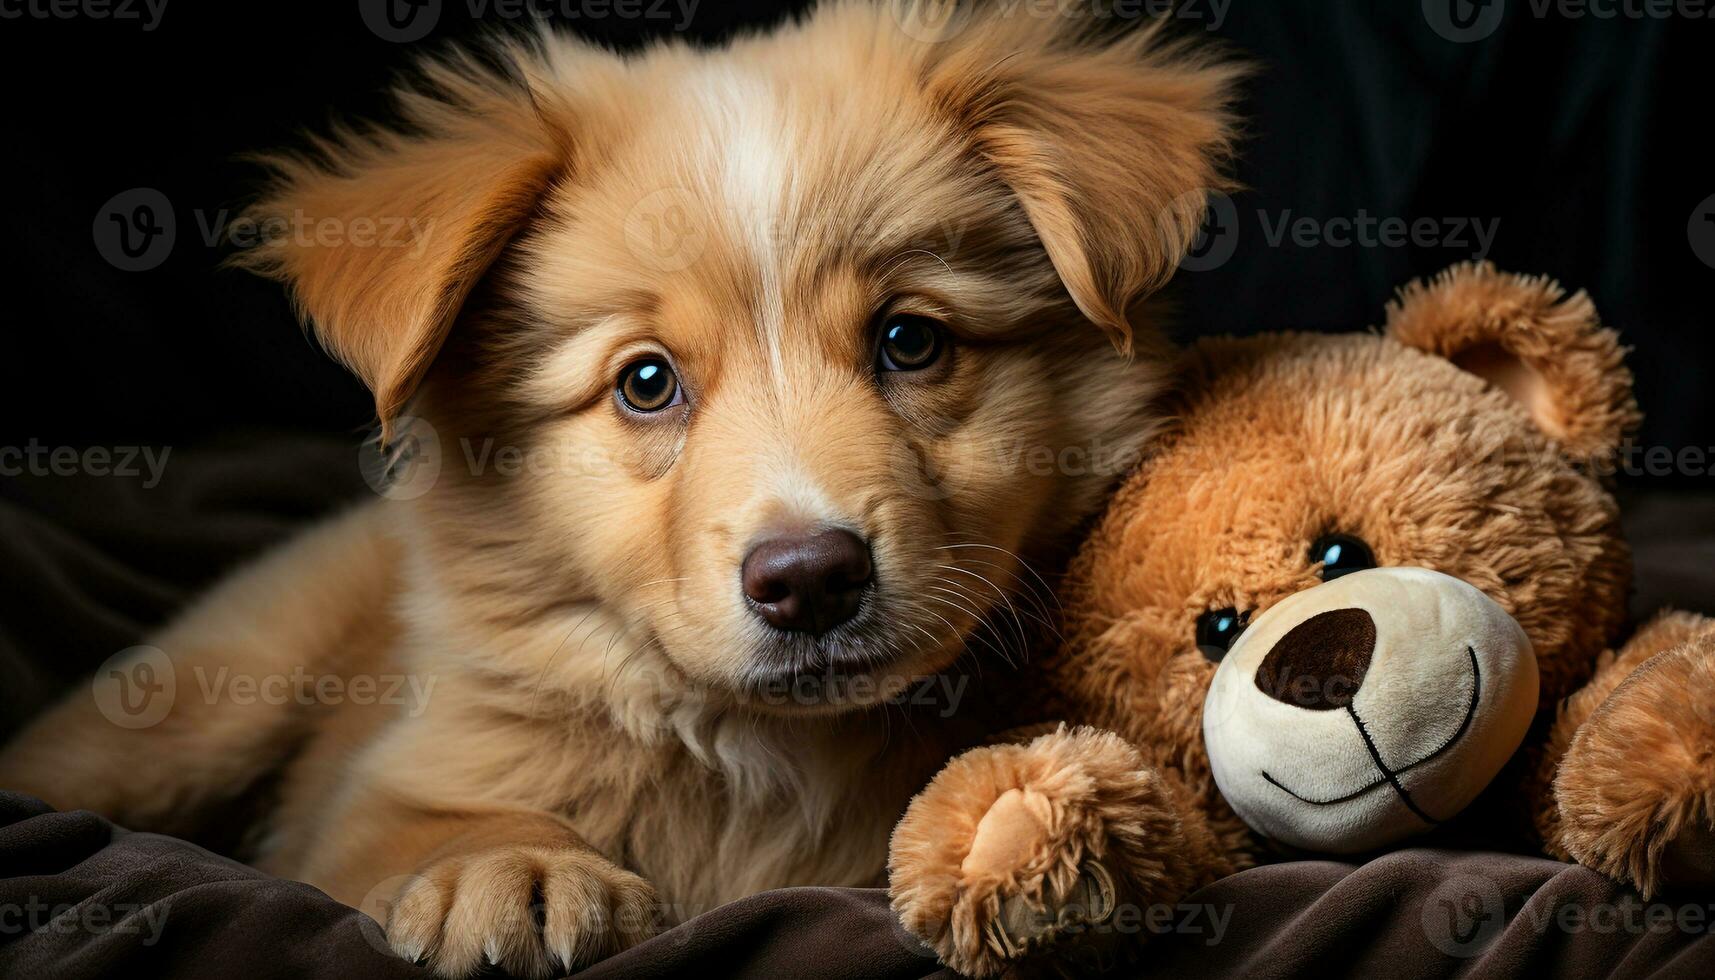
column 532, row 911
column 1636, row 790
column 1010, row 855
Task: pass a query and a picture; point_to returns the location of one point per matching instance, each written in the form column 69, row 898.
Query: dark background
column 1585, row 137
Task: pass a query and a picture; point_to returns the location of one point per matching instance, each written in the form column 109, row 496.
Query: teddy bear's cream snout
column 1369, row 708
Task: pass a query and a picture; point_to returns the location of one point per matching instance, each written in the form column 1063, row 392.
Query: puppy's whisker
column 991, row 612
column 1025, row 589
column 984, row 621
column 1017, row 621
column 1014, row 556
column 536, row 691
column 975, row 634
column 899, row 260
column 953, row 637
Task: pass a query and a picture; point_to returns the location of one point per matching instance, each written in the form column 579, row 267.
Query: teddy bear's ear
column 1525, row 336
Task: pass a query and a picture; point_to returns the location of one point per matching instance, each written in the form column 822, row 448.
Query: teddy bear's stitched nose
column 1320, row 663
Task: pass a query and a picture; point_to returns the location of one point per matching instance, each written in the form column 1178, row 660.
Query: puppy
column 745, row 384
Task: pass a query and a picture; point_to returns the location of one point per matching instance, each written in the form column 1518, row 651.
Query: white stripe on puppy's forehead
column 798, row 500
column 749, row 140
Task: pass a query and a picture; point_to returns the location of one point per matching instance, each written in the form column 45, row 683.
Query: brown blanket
column 93, row 563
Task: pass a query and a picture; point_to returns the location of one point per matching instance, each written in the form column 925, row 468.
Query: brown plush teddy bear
column 1358, row 573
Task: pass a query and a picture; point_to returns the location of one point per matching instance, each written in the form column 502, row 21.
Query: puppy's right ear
column 382, row 233
column 1111, row 143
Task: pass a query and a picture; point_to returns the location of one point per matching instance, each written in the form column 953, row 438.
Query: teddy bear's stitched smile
column 1391, row 776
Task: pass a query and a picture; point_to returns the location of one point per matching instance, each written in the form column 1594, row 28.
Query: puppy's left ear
column 383, row 232
column 1528, row 338
column 1111, row 143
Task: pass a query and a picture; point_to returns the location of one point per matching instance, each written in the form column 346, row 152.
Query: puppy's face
column 807, row 358
column 809, row 441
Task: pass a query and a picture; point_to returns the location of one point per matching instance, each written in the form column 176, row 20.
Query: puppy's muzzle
column 807, row 583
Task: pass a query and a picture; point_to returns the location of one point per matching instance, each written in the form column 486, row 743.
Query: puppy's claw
column 465, row 912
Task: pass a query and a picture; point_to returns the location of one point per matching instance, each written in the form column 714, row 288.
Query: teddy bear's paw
column 1636, row 790
column 1015, row 856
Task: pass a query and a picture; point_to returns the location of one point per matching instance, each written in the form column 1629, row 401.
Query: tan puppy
column 806, row 344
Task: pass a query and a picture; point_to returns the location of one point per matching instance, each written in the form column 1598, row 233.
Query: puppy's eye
column 1217, row 629
column 649, row 385
column 1341, row 554
column 909, row 343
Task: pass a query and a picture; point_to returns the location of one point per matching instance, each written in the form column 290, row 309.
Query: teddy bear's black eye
column 1341, row 554
column 1217, row 629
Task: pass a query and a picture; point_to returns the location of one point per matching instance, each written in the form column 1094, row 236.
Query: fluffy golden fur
column 1465, row 438
column 598, row 736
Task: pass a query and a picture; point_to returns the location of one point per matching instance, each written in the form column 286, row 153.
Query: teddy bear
column 1363, row 584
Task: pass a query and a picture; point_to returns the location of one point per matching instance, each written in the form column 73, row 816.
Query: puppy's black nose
column 807, row 584
column 1320, row 663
